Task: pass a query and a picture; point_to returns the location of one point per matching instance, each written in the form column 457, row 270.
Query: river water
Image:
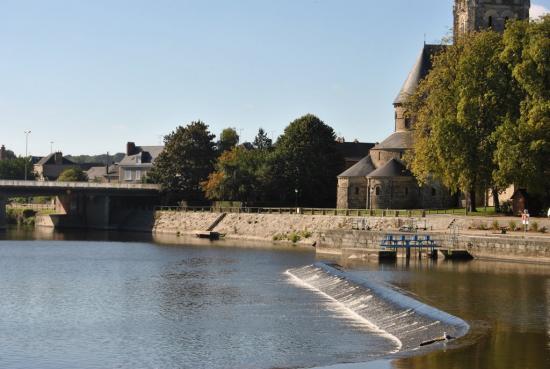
column 108, row 300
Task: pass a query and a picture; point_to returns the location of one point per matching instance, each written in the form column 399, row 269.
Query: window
column 434, row 192
column 379, row 155
column 407, row 123
column 490, row 21
column 400, row 154
column 127, row 175
column 138, row 175
column 406, row 191
column 377, row 191
column 357, row 190
column 138, row 159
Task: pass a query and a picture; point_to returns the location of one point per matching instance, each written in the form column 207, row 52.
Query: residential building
column 137, row 162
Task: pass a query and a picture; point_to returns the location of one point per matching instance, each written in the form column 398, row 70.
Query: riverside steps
column 407, row 242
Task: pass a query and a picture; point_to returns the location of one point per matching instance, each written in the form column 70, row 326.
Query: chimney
column 131, row 148
column 58, row 158
column 3, row 154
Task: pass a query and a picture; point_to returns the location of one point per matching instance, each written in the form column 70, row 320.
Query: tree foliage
column 72, row 175
column 186, row 161
column 306, row 159
column 15, row 169
column 523, row 143
column 237, row 176
column 468, row 94
column 262, row 141
column 228, row 140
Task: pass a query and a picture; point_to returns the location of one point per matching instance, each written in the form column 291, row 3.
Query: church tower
column 473, row 15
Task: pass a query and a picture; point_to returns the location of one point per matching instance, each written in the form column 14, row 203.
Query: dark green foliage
column 72, row 175
column 186, row 161
column 262, row 141
column 306, row 159
column 228, row 140
column 15, row 169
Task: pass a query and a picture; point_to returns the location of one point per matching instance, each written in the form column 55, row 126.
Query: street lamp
column 296, row 201
column 51, row 147
column 27, row 133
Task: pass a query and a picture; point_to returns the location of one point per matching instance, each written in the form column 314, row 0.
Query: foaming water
column 406, row 321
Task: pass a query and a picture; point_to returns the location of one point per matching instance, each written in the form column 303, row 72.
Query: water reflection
column 507, row 304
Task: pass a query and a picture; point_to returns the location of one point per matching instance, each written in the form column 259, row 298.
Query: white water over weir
column 404, row 320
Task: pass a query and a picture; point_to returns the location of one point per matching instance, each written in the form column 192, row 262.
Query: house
column 137, row 162
column 103, row 173
column 51, row 166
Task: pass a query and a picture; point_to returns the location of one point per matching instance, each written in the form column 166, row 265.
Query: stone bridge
column 84, row 204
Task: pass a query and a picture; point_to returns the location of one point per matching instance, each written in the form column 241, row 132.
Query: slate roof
column 397, row 140
column 420, row 70
column 393, row 168
column 148, row 155
column 354, row 150
column 361, row 169
column 50, row 159
column 99, row 171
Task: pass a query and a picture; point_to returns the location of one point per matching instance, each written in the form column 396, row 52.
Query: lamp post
column 27, row 133
column 296, row 198
column 51, row 147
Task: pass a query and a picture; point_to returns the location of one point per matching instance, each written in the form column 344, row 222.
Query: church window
column 377, row 191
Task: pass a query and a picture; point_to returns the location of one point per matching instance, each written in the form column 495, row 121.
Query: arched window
column 490, row 21
column 434, row 192
column 379, row 155
column 377, row 191
column 407, row 123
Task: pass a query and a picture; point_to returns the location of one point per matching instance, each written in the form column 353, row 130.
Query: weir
column 405, row 320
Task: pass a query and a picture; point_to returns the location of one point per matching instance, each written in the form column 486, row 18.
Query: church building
column 381, row 180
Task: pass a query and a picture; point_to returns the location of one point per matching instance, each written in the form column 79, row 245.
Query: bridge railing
column 82, row 185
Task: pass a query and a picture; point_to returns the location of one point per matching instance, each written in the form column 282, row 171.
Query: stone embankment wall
column 333, row 234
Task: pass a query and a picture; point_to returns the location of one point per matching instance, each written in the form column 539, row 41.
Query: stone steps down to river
column 402, row 319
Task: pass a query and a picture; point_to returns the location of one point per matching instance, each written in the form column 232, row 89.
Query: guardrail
column 31, row 206
column 310, row 211
column 91, row 185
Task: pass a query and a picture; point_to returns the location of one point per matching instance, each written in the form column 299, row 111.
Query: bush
column 506, row 207
column 535, row 227
column 543, row 230
column 294, row 237
column 512, row 225
column 496, row 225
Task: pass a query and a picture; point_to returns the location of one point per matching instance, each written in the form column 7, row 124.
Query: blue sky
column 91, row 75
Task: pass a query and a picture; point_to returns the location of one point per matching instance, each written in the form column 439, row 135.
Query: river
column 128, row 300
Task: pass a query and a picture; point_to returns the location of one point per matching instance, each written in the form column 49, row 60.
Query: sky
column 90, row 75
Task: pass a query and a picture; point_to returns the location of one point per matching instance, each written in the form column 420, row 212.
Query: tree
column 262, row 141
column 15, row 169
column 305, row 159
column 72, row 175
column 237, row 176
column 228, row 140
column 523, row 143
column 457, row 109
column 186, row 161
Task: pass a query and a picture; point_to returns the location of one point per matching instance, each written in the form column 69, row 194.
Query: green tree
column 72, row 175
column 237, row 176
column 457, row 109
column 523, row 143
column 305, row 159
column 187, row 159
column 228, row 140
column 262, row 141
column 15, row 169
